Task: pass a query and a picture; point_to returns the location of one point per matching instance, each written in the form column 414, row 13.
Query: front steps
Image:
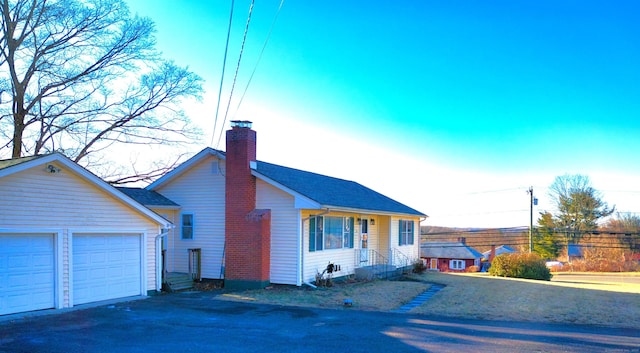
column 369, row 273
column 176, row 281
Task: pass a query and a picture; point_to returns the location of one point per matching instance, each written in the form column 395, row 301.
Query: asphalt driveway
column 200, row 322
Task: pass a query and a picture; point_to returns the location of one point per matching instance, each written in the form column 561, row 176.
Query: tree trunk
column 18, row 131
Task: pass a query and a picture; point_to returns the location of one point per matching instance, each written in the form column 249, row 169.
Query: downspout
column 162, row 234
column 327, row 210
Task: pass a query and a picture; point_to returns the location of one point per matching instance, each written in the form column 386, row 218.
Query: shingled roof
column 448, row 250
column 326, row 191
column 332, row 192
column 6, row 163
column 147, row 197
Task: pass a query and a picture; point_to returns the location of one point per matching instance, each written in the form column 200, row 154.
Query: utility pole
column 533, row 201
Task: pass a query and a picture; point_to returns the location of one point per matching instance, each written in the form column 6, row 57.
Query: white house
column 69, row 238
column 255, row 223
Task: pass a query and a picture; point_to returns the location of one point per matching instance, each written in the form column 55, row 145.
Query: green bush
column 516, row 265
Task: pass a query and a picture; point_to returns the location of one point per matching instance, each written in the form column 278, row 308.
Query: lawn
column 493, row 298
column 473, row 296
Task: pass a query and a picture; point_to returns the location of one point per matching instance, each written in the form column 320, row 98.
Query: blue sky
column 452, row 107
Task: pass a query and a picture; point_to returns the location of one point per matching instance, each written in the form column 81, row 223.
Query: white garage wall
column 36, row 200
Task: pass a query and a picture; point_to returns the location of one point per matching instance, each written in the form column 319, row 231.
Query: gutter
column 158, row 238
column 327, row 210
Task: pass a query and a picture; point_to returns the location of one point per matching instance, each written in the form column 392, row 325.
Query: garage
column 106, row 266
column 27, row 272
column 67, row 237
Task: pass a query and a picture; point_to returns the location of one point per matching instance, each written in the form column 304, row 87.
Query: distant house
column 69, row 238
column 255, row 223
column 449, row 256
column 495, row 251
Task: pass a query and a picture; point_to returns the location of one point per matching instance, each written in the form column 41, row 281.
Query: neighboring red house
column 449, row 256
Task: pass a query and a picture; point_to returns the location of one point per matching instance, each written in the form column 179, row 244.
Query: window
column 327, row 232
column 187, row 226
column 406, row 232
column 456, row 264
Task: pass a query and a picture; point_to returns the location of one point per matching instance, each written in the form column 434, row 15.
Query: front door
column 433, row 264
column 364, row 240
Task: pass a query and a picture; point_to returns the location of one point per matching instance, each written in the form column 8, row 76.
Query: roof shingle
column 330, row 191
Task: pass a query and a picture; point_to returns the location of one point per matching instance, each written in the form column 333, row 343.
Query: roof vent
column 241, row 124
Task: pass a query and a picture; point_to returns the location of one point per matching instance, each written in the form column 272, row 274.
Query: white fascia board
column 365, row 211
column 300, row 201
column 92, row 178
column 24, row 165
column 184, row 167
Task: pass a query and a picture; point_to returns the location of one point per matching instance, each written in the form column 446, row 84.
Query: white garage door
column 27, row 279
column 106, row 266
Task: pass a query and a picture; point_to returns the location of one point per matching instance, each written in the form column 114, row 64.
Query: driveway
column 200, row 322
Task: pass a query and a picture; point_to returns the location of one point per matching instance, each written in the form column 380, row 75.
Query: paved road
column 200, row 322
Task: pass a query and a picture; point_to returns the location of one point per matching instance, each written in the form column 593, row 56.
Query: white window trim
column 457, row 264
column 193, row 226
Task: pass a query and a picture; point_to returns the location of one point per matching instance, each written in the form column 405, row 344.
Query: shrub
column 519, row 265
column 473, row 269
column 419, row 266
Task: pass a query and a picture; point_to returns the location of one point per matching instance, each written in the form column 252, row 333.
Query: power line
column 224, row 65
column 235, row 77
column 259, row 57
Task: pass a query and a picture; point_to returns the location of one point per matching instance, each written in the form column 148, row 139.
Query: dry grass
column 376, row 295
column 474, row 296
column 485, row 297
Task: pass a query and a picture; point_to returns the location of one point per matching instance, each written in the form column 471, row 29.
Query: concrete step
column 369, row 273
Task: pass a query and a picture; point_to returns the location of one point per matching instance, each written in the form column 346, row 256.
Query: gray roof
column 332, row 192
column 499, row 250
column 448, row 250
column 147, row 197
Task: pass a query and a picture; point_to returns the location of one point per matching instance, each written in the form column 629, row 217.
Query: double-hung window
column 456, row 264
column 186, row 226
column 329, row 232
column 406, row 232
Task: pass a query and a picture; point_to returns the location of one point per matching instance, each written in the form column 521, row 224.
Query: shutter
column 319, row 230
column 400, row 222
column 411, row 234
column 351, row 225
column 312, row 234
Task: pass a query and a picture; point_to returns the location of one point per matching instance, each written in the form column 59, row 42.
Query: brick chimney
column 247, row 230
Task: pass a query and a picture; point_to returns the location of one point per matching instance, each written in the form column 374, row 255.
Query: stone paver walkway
column 420, row 299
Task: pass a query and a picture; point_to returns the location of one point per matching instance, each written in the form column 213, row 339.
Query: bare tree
column 627, row 227
column 78, row 76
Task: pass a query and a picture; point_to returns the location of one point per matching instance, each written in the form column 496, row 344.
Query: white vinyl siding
column 285, row 233
column 411, row 251
column 200, row 192
column 36, row 200
column 317, row 261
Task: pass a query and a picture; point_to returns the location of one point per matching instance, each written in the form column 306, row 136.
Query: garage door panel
column 27, row 272
column 106, row 267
